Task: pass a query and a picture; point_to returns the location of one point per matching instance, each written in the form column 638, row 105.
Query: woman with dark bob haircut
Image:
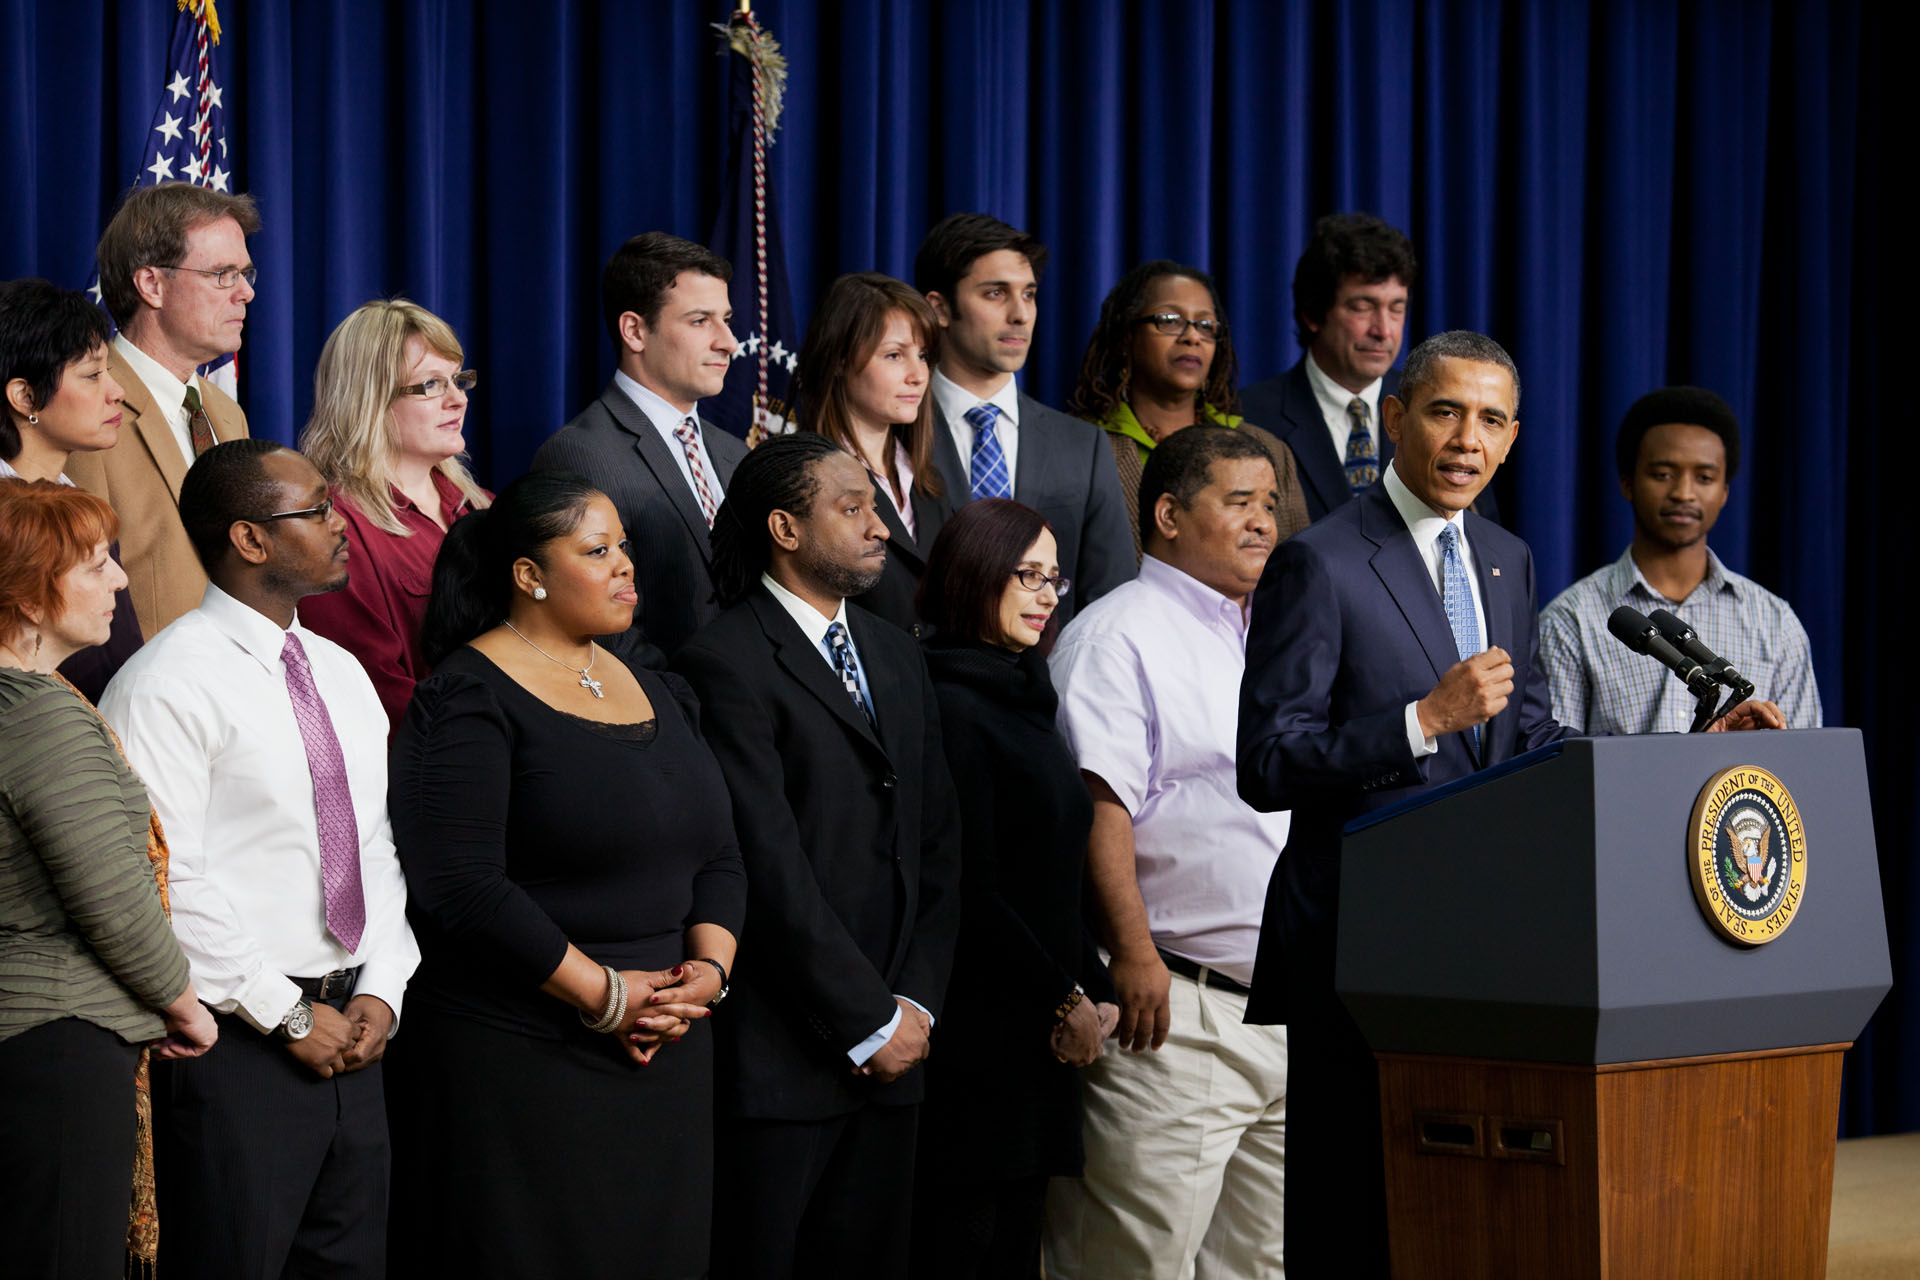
column 89, row 968
column 863, row 381
column 1161, row 360
column 1002, row 1113
column 61, row 399
column 576, row 888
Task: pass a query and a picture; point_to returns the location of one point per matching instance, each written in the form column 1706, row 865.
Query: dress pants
column 266, row 1170
column 806, row 1199
column 1186, row 1153
column 66, row 1151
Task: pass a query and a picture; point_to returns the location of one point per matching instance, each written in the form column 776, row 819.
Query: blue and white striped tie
column 1456, row 596
column 988, row 475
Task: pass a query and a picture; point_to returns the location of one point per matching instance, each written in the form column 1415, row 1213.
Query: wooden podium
column 1580, row 1076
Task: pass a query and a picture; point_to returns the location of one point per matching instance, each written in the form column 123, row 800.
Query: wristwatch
column 725, row 985
column 298, row 1024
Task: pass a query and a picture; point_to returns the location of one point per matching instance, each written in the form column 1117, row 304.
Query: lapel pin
column 1496, row 572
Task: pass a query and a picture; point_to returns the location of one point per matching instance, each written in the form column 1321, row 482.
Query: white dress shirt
column 168, row 392
column 955, row 401
column 208, row 724
column 665, row 418
column 1149, row 684
column 1425, row 524
column 8, row 473
column 813, row 624
column 1333, row 400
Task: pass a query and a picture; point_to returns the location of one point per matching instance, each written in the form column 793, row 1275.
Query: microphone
column 1638, row 632
column 1682, row 637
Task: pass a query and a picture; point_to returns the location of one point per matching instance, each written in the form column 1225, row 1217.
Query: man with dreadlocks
column 824, row 721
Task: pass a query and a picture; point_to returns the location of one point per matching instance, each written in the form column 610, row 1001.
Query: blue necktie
column 988, row 477
column 1363, row 465
column 847, row 668
column 1456, row 596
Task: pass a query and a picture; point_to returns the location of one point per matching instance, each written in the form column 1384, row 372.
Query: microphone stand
column 1704, row 713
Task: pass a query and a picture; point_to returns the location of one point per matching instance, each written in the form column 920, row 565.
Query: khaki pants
column 1185, row 1154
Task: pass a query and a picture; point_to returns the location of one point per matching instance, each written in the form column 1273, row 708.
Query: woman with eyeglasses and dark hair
column 1161, row 360
column 863, row 383
column 61, row 399
column 389, row 408
column 89, row 968
column 1030, row 1002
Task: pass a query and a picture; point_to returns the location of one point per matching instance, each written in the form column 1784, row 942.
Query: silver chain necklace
column 587, row 682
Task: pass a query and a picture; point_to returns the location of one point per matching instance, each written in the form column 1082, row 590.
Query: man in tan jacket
column 176, row 277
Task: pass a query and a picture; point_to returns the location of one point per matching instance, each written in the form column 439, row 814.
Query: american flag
column 188, row 140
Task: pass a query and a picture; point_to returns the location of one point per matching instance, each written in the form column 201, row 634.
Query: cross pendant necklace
column 587, row 682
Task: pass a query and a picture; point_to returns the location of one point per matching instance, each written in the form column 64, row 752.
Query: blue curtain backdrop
column 1627, row 194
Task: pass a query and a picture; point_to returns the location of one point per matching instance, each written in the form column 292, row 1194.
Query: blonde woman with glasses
column 388, row 432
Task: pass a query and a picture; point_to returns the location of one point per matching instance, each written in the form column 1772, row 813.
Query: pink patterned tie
column 332, row 801
column 689, row 437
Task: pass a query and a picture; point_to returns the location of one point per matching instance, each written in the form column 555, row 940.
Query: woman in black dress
column 1030, row 1002
column 576, row 890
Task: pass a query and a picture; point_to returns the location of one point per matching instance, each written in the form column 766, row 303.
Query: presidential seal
column 1747, row 855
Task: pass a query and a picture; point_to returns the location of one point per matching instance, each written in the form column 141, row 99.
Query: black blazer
column 613, row 444
column 1065, row 472
column 907, row 555
column 852, row 847
column 1286, row 407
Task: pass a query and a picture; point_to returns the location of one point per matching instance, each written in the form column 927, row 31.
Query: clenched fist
column 1473, row 691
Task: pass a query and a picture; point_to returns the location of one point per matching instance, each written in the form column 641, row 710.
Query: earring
column 539, row 593
column 33, row 419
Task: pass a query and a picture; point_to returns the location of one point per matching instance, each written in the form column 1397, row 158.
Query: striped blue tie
column 988, row 477
column 1456, row 596
column 847, row 667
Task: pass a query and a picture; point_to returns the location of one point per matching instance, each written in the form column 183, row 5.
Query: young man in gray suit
column 993, row 440
column 642, row 443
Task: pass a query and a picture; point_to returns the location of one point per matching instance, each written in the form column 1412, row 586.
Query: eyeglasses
column 1034, row 580
column 321, row 512
column 223, row 277
column 1174, row 326
column 435, row 387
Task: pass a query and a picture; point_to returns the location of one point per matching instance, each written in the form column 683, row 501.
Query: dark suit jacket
column 1286, row 407
column 613, row 444
column 907, row 555
column 1347, row 629
column 852, row 846
column 1065, row 472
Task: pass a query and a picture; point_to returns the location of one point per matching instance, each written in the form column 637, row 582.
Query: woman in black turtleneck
column 1030, row 1002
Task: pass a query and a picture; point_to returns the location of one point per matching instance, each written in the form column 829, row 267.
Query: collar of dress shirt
column 1628, row 579
column 662, row 415
column 453, row 503
column 168, row 392
column 1422, row 521
column 812, row 623
column 247, row 627
column 1193, row 595
column 1334, row 398
column 8, row 473
column 954, row 401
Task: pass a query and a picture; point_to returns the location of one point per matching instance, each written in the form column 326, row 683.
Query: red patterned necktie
column 689, row 436
column 199, row 425
column 332, row 802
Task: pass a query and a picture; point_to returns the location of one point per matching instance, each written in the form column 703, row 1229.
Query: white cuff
column 1422, row 745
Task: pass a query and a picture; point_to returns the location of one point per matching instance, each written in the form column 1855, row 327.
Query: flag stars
column 161, row 168
column 214, row 90
column 94, row 289
column 792, row 361
column 195, row 171
column 778, row 350
column 219, row 180
column 179, row 88
column 169, row 127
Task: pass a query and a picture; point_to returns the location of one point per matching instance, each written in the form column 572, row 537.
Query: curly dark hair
column 1106, row 371
column 1346, row 244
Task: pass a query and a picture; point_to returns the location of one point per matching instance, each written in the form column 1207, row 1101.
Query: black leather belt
column 1205, row 977
column 337, row 985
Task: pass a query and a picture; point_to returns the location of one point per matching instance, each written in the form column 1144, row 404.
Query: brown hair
column 970, row 564
column 46, row 529
column 150, row 230
column 1106, row 371
column 845, row 332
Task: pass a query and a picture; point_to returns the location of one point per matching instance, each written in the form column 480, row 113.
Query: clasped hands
column 663, row 1004
column 345, row 1041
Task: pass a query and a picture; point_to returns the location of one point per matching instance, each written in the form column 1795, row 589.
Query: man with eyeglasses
column 1185, row 1125
column 264, row 749
column 992, row 440
column 1350, row 291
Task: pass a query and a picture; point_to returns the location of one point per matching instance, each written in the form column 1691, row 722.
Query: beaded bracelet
column 1071, row 1003
column 616, row 1009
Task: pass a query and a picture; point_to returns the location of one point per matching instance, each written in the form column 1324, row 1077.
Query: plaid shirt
column 1602, row 687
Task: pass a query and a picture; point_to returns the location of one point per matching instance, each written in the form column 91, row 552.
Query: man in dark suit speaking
column 642, row 443
column 1393, row 648
column 824, row 721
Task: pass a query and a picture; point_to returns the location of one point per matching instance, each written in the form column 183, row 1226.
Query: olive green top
column 82, row 932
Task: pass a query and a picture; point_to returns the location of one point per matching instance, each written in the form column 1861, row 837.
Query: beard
column 844, row 580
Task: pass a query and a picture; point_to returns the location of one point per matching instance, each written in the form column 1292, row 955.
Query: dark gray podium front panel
column 1546, row 914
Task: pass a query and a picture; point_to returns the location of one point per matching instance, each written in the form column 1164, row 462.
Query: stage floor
column 1876, row 1209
